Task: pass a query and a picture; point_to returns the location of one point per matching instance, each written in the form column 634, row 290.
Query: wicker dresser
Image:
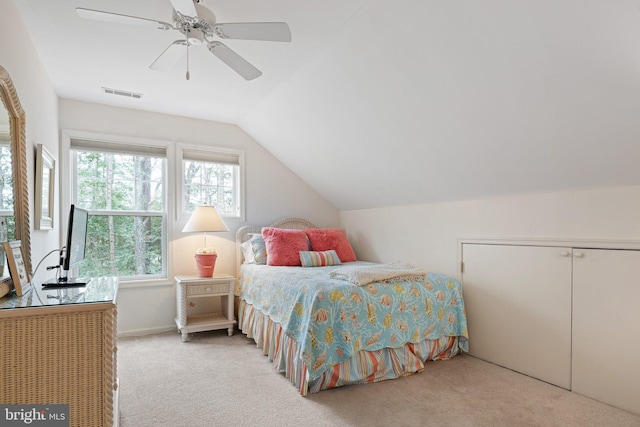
column 59, row 347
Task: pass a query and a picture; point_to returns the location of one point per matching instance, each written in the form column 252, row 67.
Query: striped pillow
column 319, row 259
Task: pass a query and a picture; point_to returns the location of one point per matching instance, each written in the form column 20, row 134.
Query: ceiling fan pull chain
column 187, row 39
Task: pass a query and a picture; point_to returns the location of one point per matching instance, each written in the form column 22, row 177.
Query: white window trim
column 180, row 149
column 67, row 191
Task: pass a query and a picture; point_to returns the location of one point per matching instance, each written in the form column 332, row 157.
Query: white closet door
column 606, row 326
column 518, row 302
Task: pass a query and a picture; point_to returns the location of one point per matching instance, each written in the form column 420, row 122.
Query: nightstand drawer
column 210, row 289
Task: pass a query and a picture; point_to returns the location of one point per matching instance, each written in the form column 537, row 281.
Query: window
column 6, row 178
column 212, row 177
column 7, row 222
column 124, row 189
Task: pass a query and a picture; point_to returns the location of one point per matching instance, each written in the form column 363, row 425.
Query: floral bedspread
column 333, row 319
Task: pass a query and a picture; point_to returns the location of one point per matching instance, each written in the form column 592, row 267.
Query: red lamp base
column 205, row 263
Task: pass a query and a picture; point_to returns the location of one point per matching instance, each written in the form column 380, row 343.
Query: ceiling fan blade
column 268, row 31
column 185, row 7
column 170, row 57
column 117, row 18
column 234, row 61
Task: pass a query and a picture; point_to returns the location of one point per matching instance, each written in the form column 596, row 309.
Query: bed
column 324, row 331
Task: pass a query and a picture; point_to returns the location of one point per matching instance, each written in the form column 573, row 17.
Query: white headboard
column 243, row 233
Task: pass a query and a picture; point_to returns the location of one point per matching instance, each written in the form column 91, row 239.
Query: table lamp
column 205, row 219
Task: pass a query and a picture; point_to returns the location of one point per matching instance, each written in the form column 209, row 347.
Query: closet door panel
column 606, row 326
column 518, row 302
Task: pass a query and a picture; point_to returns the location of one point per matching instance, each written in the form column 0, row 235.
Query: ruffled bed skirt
column 364, row 367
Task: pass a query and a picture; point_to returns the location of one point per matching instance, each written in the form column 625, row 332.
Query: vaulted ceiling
column 378, row 103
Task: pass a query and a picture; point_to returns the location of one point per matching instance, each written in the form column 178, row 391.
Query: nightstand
column 204, row 304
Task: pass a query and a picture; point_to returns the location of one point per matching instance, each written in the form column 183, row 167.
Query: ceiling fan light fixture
column 195, row 37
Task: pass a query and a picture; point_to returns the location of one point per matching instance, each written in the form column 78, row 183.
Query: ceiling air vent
column 122, row 93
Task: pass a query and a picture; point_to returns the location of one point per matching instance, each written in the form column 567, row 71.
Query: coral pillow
column 324, row 239
column 284, row 245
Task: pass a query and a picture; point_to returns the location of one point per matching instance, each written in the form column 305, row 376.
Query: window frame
column 207, row 154
column 68, row 193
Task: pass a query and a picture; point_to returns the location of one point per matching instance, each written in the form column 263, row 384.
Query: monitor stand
column 64, row 283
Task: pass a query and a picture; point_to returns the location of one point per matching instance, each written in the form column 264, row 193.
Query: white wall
column 427, row 234
column 272, row 192
column 462, row 99
column 40, row 103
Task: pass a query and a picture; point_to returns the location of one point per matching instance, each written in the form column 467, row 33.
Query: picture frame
column 45, row 188
column 17, row 269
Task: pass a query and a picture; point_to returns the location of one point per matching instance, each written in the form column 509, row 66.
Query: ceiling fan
column 198, row 25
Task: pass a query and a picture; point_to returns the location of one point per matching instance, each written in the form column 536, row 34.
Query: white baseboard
column 146, row 331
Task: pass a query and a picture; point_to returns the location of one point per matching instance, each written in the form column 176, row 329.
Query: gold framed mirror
column 18, row 144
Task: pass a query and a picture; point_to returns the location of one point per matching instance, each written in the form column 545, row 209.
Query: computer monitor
column 74, row 251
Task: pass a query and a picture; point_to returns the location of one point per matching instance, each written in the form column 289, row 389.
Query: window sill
column 145, row 283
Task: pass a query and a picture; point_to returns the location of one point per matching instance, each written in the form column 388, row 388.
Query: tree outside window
column 125, row 196
column 7, row 220
column 211, row 183
column 211, row 176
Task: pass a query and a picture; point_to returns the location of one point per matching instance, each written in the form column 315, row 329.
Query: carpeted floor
column 217, row 380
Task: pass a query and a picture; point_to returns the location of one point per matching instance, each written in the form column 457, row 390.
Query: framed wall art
column 45, row 186
column 17, row 269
